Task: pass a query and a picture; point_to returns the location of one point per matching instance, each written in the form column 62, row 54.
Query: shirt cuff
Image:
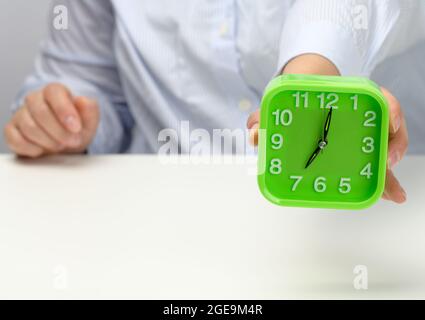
column 326, row 39
column 113, row 135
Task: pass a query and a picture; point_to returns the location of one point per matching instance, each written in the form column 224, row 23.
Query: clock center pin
column 322, row 144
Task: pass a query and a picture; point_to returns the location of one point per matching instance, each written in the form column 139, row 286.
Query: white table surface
column 132, row 227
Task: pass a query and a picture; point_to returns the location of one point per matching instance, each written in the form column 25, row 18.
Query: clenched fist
column 52, row 121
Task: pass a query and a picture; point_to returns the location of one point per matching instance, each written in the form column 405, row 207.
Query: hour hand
column 322, row 143
column 313, row 157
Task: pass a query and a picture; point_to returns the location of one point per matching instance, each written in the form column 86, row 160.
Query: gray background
column 23, row 24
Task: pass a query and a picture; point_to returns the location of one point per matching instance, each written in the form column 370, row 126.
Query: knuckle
column 395, row 102
column 50, row 88
column 53, row 88
column 53, row 146
column 30, row 99
column 63, row 138
column 15, row 142
column 52, row 149
column 405, row 145
column 38, row 110
column 57, row 149
column 7, row 132
column 396, row 107
column 401, row 146
column 405, row 139
column 406, row 135
column 29, row 128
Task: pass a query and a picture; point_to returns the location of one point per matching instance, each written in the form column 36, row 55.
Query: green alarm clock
column 323, row 142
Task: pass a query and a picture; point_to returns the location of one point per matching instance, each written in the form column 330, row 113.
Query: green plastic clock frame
column 335, row 163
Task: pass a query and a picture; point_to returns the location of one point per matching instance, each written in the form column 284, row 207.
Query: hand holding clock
column 398, row 144
column 398, row 135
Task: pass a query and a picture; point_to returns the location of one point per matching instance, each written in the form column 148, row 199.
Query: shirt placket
column 224, row 38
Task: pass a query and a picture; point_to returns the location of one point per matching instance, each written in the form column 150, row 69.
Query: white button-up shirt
column 153, row 64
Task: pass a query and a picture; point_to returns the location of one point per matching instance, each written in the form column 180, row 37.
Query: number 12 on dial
column 323, row 142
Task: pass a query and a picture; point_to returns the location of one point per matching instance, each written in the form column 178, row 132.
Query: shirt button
column 224, row 30
column 245, row 105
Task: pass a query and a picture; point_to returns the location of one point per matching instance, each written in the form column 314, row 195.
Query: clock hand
column 327, row 126
column 322, row 143
column 313, row 157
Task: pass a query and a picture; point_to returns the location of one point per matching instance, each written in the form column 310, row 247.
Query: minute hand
column 322, row 143
column 327, row 126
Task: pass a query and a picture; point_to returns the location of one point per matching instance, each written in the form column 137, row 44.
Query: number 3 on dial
column 368, row 145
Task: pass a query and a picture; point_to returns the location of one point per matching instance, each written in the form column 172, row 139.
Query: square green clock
column 323, row 142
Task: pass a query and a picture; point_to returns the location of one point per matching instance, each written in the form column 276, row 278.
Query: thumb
column 253, row 126
column 89, row 113
column 253, row 119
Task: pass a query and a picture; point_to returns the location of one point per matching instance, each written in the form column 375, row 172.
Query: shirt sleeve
column 355, row 35
column 78, row 53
